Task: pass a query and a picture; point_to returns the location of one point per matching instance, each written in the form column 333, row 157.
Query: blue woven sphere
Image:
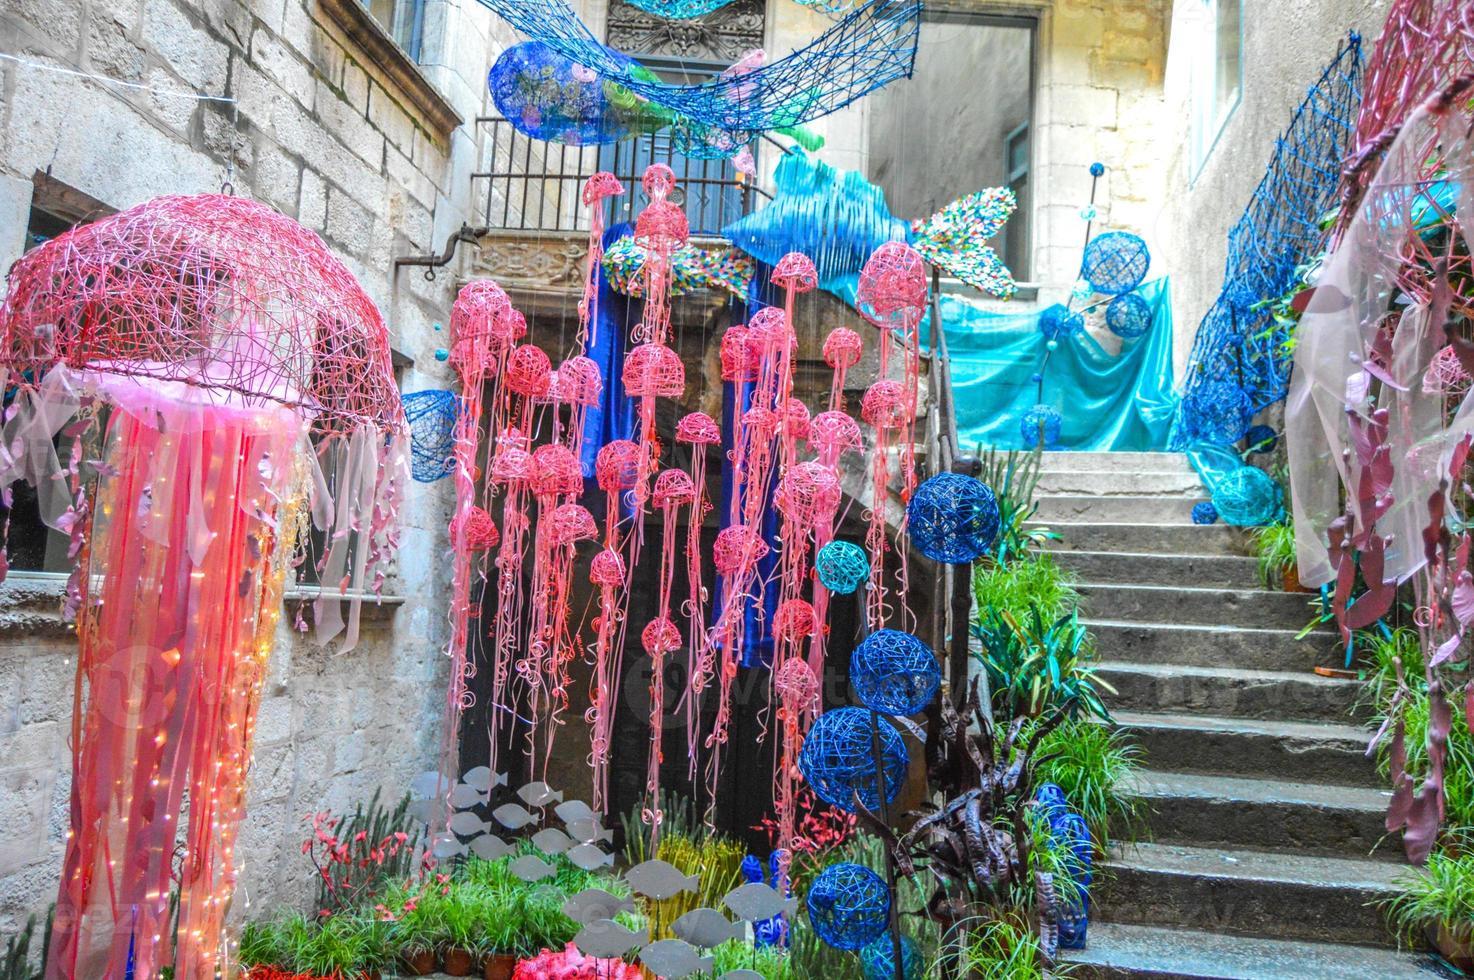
column 1128, row 316
column 952, row 518
column 1218, row 412
column 894, row 673
column 1248, row 497
column 1261, row 439
column 842, row 566
column 432, row 423
column 837, row 764
column 1204, row 513
column 1115, row 262
column 878, row 960
column 849, row 906
column 1097, row 169
column 1060, row 321
column 1040, row 424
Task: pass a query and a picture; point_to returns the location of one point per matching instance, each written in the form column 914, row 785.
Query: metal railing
column 532, row 185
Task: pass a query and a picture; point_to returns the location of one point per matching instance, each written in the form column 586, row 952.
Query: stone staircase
column 1264, row 810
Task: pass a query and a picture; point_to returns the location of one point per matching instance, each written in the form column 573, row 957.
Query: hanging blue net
column 872, row 45
column 1128, row 316
column 1220, row 410
column 1261, row 439
column 679, row 9
column 1115, row 262
column 1069, row 832
column 1059, row 321
column 842, row 566
column 1040, row 426
column 432, row 422
column 1279, row 230
column 1248, row 497
column 878, row 959
column 1205, row 513
column 835, row 217
column 849, row 905
column 894, row 673
column 837, row 763
column 952, row 518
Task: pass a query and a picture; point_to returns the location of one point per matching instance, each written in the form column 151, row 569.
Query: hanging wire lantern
column 894, row 673
column 432, row 422
column 1040, row 425
column 1115, row 262
column 842, row 566
column 1128, row 316
column 952, row 518
column 849, row 905
column 836, row 759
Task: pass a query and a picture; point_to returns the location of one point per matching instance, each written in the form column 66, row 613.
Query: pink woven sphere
column 892, row 290
column 579, row 382
column 555, row 470
column 794, row 620
column 480, row 530
column 808, row 494
column 658, row 181
column 478, row 325
column 662, row 225
column 796, row 271
column 516, row 325
column 554, row 394
column 737, row 548
column 842, row 348
column 884, row 405
column 796, row 420
column 1445, row 372
column 654, row 370
column 673, row 488
column 739, row 356
column 617, row 466
column 511, row 465
column 835, row 430
column 607, row 568
column 698, row 429
column 795, row 681
column 768, row 333
column 600, row 186
column 761, row 422
column 570, row 523
column 529, row 372
column 660, row 636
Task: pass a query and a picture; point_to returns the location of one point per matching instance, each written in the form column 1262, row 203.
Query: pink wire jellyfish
column 797, row 687
column 698, row 431
column 892, row 294
column 884, row 409
column 596, row 190
column 607, row 572
column 739, row 358
column 807, row 499
column 651, row 371
column 842, row 351
column 569, row 524
column 831, row 435
column 555, row 475
column 673, row 490
column 579, row 386
column 735, row 555
column 660, row 229
column 528, row 377
column 511, row 469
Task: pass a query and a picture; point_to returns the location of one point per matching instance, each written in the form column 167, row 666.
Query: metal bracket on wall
column 432, row 262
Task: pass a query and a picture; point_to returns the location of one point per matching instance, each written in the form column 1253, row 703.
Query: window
column 404, row 20
column 1013, row 240
column 1217, row 75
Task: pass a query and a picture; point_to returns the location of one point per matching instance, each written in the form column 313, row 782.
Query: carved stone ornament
column 535, row 259
column 722, row 36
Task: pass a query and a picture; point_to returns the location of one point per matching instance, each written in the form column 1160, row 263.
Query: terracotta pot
column 418, row 963
column 1457, row 946
column 1290, row 578
column 457, row 962
column 499, row 966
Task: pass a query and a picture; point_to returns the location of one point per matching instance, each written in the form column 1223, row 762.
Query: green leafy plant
column 1013, row 476
column 359, row 856
column 342, row 946
column 1032, row 580
column 1274, row 547
column 1003, row 948
column 15, row 964
column 1033, row 664
column 1439, row 894
column 1458, row 773
column 770, row 962
column 1090, row 761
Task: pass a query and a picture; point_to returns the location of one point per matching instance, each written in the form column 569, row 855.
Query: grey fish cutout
column 588, row 857
column 571, row 810
column 660, row 880
column 707, row 928
column 466, row 823
column 588, row 831
column 673, row 959
column 512, row 816
column 741, row 975
column 490, row 847
column 484, row 779
column 539, row 793
column 428, row 785
column 422, row 810
column 531, row 868
column 446, row 846
column 604, row 938
column 596, row 903
column 464, row 796
column 551, row 840
column 756, row 901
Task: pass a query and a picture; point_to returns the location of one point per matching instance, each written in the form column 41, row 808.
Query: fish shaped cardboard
column 512, row 816
column 660, row 880
column 483, row 779
column 707, row 928
column 588, row 857
column 755, row 901
column 539, row 793
column 530, row 868
column 466, row 823
column 603, row 938
column 571, row 810
column 672, row 959
column 463, row 796
column 423, row 810
column 596, row 903
column 446, row 846
column 490, row 847
column 428, row 785
column 551, row 840
column 587, row 830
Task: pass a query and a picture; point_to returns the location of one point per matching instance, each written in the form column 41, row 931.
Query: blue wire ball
column 1261, row 439
column 1128, row 316
column 432, row 423
column 849, row 906
column 894, row 673
column 878, row 960
column 1060, row 321
column 1220, row 412
column 1115, row 262
column 1097, row 169
column 952, row 518
column 1040, row 423
column 1248, row 497
column 837, row 764
column 842, row 566
column 1204, row 513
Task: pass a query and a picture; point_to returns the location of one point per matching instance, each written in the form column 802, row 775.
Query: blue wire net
column 679, row 9
column 837, row 763
column 878, row 959
column 1248, row 497
column 1059, row 321
column 952, row 518
column 1128, row 316
column 849, row 905
column 842, row 566
column 1279, row 230
column 1205, row 513
column 1261, row 439
column 432, row 422
column 894, row 673
column 1220, row 412
column 872, row 45
column 1040, row 424
column 1115, row 262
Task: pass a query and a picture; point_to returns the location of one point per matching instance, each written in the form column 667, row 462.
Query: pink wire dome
column 835, row 430
column 796, row 420
column 842, row 348
column 796, row 683
column 795, row 620
column 600, row 186
column 654, row 370
column 658, row 181
column 808, row 494
column 884, row 405
column 617, row 467
column 761, row 422
column 481, row 531
column 660, row 636
column 607, row 568
column 739, row 357
column 579, row 382
column 479, row 328
column 737, row 548
column 570, row 523
column 555, row 470
column 511, row 464
column 892, row 290
column 673, row 488
column 699, row 429
column 796, row 271
column 768, row 331
column 529, row 372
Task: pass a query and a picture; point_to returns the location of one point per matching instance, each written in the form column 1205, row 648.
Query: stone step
column 1067, row 459
column 1211, row 646
column 1125, row 509
column 1248, row 747
column 1117, row 951
column 1231, row 692
column 1281, row 895
column 1160, row 539
column 1118, row 483
column 1254, row 608
column 1200, row 571
column 1230, row 811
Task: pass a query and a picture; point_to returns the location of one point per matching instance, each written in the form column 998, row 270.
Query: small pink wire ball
column 570, row 523
column 511, row 464
column 739, row 357
column 654, row 370
column 808, row 494
column 617, row 466
column 478, row 326
column 796, row 271
column 892, row 290
column 600, row 186
column 555, row 470
column 835, row 430
column 768, row 332
column 480, row 530
column 796, row 684
column 660, row 636
column 516, row 324
column 843, row 348
column 794, row 620
column 529, row 372
column 884, row 405
column 796, row 421
column 737, row 549
column 607, row 568
column 761, row 422
column 1445, row 372
column 698, row 429
column 658, row 181
column 580, row 382
column 673, row 488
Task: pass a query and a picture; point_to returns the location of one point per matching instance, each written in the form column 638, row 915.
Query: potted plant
column 1274, row 546
column 418, row 928
column 462, row 946
column 1438, row 901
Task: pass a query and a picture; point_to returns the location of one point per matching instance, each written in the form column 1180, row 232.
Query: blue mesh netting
column 1261, row 439
column 849, row 905
column 878, row 959
column 1128, row 316
column 1280, row 229
column 432, row 421
column 894, row 673
column 872, row 45
column 1248, row 497
column 1040, row 424
column 1059, row 321
column 679, row 9
column 1115, row 262
column 952, row 518
column 837, row 764
column 1204, row 513
column 842, row 566
column 1220, row 412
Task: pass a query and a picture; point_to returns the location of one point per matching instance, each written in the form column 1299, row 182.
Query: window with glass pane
column 1217, row 74
column 403, row 19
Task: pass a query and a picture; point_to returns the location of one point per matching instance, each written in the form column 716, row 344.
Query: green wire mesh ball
column 849, row 906
column 842, row 566
column 837, row 763
column 1128, row 316
column 1248, row 497
column 1115, row 262
column 878, row 959
column 952, row 518
column 894, row 673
